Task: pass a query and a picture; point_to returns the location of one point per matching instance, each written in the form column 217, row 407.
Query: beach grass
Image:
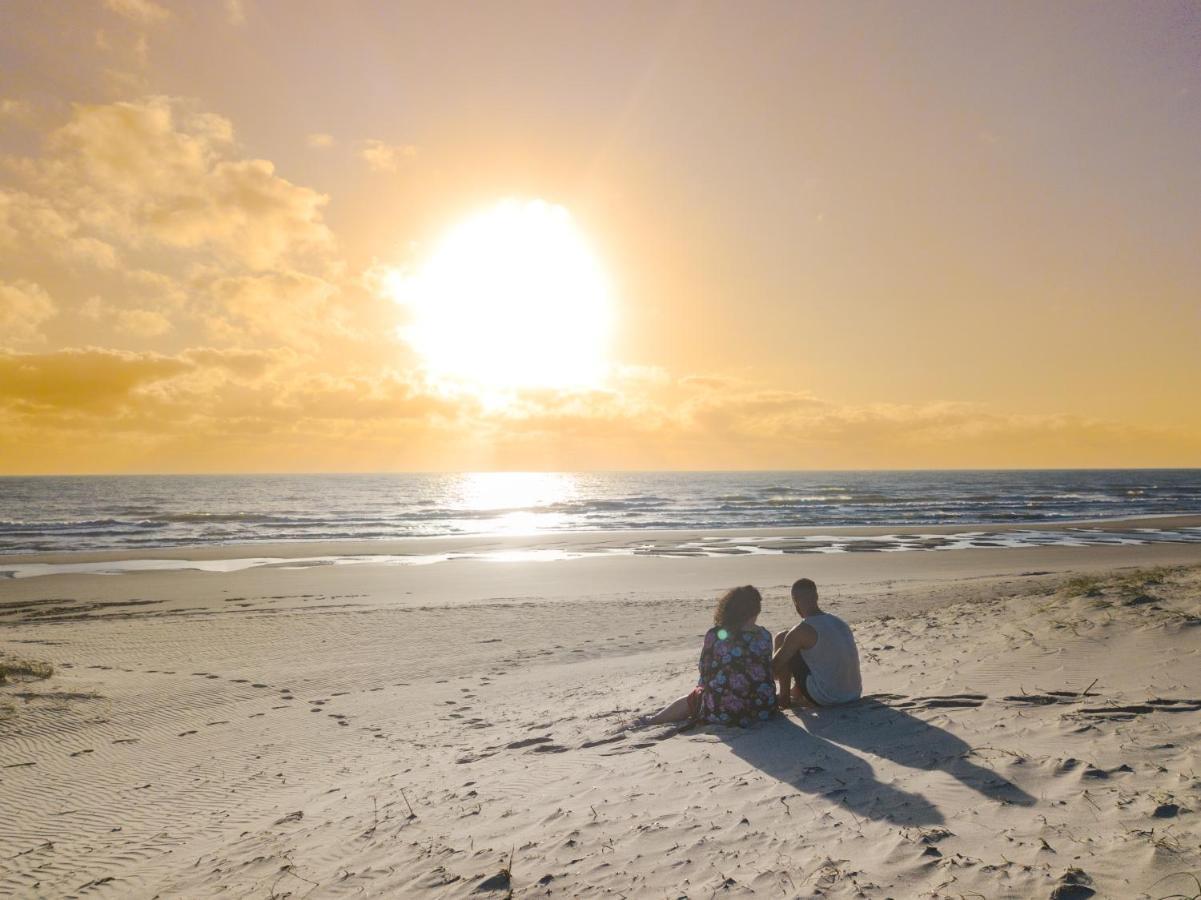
column 16, row 669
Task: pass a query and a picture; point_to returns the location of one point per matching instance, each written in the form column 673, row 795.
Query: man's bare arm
column 801, row 637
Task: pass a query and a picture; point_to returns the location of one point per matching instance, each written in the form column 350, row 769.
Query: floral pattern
column 736, row 682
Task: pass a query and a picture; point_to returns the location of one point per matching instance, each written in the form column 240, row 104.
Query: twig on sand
column 375, row 824
column 1084, row 693
column 1196, row 881
column 412, row 815
column 976, row 750
column 290, row 869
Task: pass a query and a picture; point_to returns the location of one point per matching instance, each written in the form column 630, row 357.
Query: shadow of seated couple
column 813, row 759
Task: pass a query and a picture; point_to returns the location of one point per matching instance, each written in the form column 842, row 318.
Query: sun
column 512, row 297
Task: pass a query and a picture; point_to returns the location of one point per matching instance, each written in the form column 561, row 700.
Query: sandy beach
column 455, row 729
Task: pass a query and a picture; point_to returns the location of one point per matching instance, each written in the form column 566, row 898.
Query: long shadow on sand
column 813, row 760
column 906, row 740
column 784, row 750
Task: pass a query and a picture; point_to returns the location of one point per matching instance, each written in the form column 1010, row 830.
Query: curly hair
column 738, row 606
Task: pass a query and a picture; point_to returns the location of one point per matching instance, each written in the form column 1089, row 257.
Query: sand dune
column 420, row 732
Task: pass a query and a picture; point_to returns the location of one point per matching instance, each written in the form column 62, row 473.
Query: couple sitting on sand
column 815, row 662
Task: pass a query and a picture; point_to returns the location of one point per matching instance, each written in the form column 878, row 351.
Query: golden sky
column 831, row 235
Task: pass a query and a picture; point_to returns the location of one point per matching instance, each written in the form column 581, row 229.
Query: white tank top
column 833, row 662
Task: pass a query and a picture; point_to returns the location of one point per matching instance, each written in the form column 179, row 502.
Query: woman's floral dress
column 736, row 683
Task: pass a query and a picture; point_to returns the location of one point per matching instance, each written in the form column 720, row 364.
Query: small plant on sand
column 1096, row 585
column 12, row 669
column 1083, row 586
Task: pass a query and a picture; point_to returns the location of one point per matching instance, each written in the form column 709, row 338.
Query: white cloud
column 24, row 306
column 235, row 12
column 144, row 12
column 154, row 172
column 14, row 109
column 31, row 225
column 382, row 157
column 138, row 322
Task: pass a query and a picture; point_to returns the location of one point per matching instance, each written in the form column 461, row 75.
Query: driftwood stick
column 412, row 815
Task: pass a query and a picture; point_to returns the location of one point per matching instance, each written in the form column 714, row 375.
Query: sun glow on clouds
column 511, row 298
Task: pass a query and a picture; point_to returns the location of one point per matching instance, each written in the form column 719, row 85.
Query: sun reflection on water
column 523, row 502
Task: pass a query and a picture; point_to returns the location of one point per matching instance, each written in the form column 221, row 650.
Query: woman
column 736, row 686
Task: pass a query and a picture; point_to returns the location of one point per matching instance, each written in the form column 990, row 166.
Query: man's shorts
column 800, row 678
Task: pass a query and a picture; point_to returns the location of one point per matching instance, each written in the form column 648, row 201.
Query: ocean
column 131, row 512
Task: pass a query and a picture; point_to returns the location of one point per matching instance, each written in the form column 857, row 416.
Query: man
column 819, row 654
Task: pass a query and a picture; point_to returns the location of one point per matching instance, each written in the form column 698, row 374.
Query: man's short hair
column 802, row 587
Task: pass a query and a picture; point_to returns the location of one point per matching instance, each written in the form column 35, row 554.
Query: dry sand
column 380, row 730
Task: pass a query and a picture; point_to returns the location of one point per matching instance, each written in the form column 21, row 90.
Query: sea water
column 130, row 512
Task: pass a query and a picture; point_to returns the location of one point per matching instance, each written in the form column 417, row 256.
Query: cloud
column 211, row 408
column 300, row 309
column 235, row 12
column 144, row 323
column 14, row 109
column 32, row 225
column 319, row 140
column 381, row 157
column 152, row 172
column 143, row 12
column 24, row 306
column 85, row 379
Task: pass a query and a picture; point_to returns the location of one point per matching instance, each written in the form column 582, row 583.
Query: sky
column 830, row 235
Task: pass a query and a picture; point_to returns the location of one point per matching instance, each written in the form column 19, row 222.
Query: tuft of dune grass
column 1135, row 580
column 23, row 669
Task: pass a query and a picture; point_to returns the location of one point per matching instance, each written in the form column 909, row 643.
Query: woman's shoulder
column 759, row 638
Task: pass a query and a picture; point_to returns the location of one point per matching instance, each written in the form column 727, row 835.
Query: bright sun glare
column 513, row 297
